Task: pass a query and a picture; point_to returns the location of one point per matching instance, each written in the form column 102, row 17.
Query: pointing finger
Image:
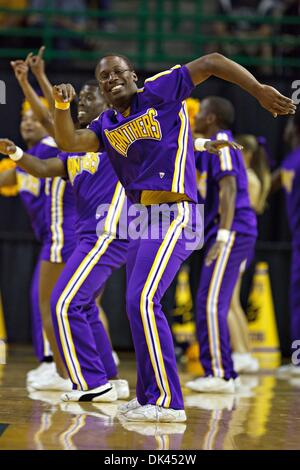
column 41, row 51
column 27, row 60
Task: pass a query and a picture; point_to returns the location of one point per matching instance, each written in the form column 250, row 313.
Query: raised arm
column 33, row 165
column 37, row 67
column 214, row 146
column 66, row 136
column 219, row 66
column 21, row 69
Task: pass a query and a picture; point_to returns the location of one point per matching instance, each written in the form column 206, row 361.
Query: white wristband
column 223, row 235
column 199, row 144
column 17, row 155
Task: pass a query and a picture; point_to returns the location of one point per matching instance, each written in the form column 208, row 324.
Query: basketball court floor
column 265, row 414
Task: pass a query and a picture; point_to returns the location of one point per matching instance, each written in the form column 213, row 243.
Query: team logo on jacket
column 77, row 164
column 144, row 126
column 28, row 183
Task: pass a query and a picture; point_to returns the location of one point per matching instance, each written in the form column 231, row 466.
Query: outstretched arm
column 214, row 146
column 66, row 136
column 33, row 165
column 219, row 66
column 37, row 67
column 8, row 178
column 21, row 69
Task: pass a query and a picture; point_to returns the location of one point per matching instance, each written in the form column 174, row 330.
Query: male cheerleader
column 230, row 234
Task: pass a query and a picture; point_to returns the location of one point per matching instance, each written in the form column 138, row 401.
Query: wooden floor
column 264, row 415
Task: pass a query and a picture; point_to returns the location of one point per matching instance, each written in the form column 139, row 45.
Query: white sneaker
column 254, row 365
column 121, row 387
column 244, row 362
column 104, row 393
column 156, row 413
column 44, row 368
column 52, row 382
column 130, row 405
column 116, row 358
column 212, row 385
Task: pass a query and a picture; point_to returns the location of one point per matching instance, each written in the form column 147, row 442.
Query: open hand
column 214, row 146
column 7, row 147
column 275, row 102
column 214, row 253
column 64, row 93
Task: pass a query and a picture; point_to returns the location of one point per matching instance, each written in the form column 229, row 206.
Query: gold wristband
column 62, row 106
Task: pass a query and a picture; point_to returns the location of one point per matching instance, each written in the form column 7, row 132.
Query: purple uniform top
column 59, row 209
column 151, row 149
column 32, row 194
column 44, row 149
column 94, row 183
column 290, row 176
column 32, row 190
column 212, row 169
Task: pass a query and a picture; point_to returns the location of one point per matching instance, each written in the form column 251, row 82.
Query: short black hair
column 95, row 84
column 92, row 83
column 114, row 54
column 223, row 109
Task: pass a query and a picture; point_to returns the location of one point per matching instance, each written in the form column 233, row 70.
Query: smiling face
column 31, row 129
column 90, row 104
column 117, row 81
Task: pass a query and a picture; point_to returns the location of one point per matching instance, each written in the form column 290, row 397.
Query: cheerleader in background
column 259, row 184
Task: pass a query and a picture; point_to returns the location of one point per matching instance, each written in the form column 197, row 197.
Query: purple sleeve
column 96, row 127
column 284, row 164
column 197, row 160
column 174, row 84
column 47, row 151
column 63, row 156
column 224, row 164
